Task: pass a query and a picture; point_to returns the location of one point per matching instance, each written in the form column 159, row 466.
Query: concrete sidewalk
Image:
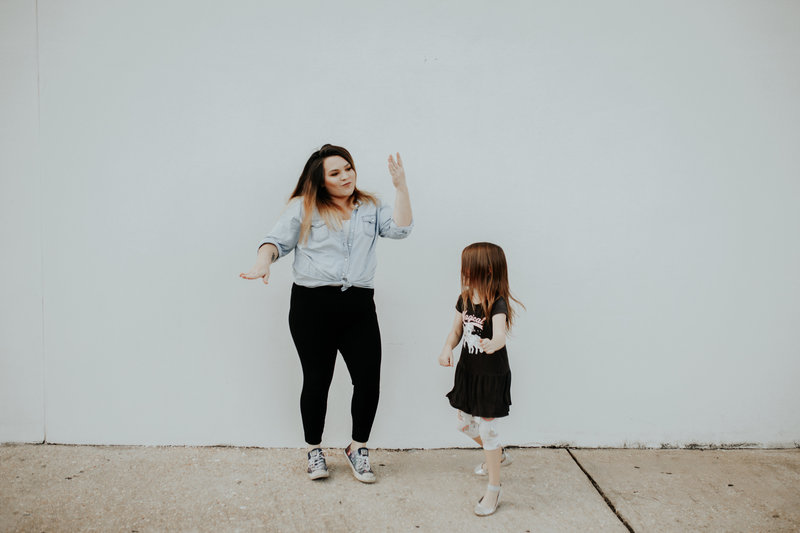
column 98, row 488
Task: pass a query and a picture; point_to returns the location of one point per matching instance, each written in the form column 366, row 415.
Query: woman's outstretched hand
column 267, row 254
column 397, row 172
column 258, row 271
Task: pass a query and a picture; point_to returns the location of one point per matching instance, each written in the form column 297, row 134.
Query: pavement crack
column 600, row 492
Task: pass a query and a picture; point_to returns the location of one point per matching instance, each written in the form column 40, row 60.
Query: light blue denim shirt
column 329, row 257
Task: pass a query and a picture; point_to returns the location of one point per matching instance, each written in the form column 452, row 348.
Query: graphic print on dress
column 473, row 326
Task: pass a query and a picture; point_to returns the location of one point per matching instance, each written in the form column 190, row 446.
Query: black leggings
column 325, row 320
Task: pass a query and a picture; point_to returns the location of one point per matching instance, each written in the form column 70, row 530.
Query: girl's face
column 340, row 177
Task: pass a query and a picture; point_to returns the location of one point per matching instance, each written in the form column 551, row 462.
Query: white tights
column 475, row 426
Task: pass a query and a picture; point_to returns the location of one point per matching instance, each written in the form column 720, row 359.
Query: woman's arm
column 453, row 338
column 279, row 242
column 267, row 254
column 402, row 202
column 498, row 339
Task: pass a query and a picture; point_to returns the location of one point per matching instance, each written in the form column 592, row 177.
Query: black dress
column 482, row 385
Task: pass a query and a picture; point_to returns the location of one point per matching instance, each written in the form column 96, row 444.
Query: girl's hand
column 446, row 357
column 258, row 271
column 491, row 345
column 397, row 172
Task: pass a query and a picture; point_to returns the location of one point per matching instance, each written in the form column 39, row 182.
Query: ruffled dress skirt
column 482, row 385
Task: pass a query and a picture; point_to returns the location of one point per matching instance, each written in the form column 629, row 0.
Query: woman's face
column 340, row 177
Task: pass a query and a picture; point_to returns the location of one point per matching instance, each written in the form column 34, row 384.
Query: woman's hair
column 311, row 187
column 484, row 270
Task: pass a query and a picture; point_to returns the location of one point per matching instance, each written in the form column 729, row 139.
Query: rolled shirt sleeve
column 286, row 231
column 387, row 227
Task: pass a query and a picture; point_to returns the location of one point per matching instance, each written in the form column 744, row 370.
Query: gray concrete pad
column 94, row 488
column 700, row 490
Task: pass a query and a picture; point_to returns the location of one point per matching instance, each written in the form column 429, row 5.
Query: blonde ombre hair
column 484, row 271
column 311, row 188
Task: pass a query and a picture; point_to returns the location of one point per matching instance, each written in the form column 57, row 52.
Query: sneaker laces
column 362, row 463
column 317, row 460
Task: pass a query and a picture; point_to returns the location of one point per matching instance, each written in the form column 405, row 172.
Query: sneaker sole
column 356, row 474
column 322, row 474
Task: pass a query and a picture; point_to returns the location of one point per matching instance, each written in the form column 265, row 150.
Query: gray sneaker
column 317, row 468
column 359, row 464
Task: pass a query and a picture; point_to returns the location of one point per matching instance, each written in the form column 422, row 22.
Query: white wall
column 638, row 165
column 21, row 359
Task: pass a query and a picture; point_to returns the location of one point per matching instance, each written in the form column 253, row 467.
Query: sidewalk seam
column 600, row 491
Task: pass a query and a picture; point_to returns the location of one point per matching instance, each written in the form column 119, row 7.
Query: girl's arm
column 498, row 339
column 446, row 357
column 402, row 202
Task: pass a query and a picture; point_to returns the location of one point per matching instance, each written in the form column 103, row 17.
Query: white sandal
column 482, row 510
column 505, row 460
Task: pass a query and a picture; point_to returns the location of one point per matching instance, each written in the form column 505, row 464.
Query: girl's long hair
column 311, row 188
column 484, row 271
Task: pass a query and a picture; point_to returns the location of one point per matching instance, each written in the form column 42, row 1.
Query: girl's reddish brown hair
column 311, row 187
column 484, row 271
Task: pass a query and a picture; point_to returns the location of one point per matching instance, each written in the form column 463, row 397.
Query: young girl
column 482, row 388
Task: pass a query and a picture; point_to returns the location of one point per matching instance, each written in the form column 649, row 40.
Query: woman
column 332, row 227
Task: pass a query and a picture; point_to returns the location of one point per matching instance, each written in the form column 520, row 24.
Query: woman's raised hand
column 397, row 171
